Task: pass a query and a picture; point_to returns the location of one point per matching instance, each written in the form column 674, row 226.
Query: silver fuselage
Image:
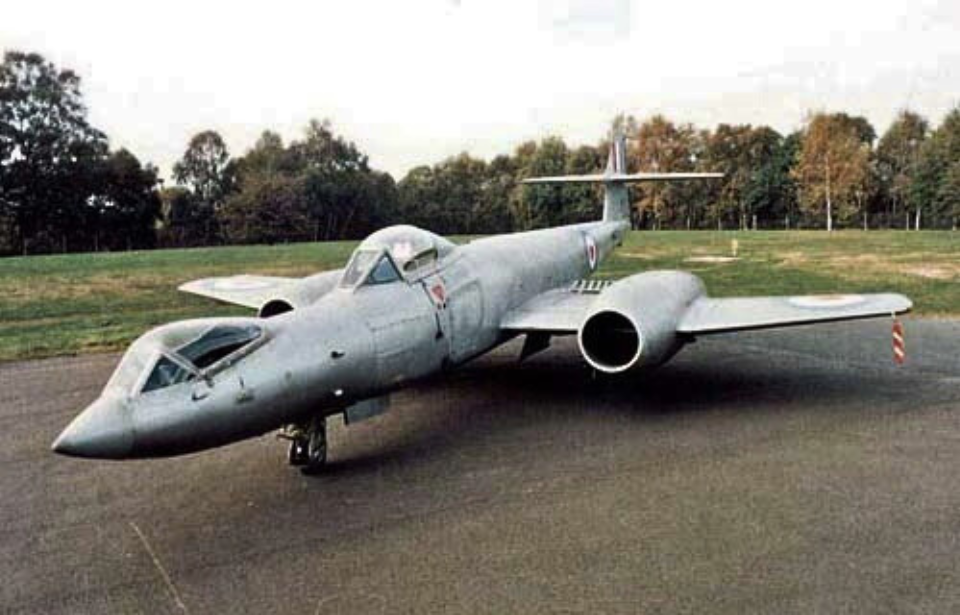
column 350, row 344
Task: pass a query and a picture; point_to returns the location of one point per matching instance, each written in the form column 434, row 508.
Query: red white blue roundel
column 240, row 283
column 592, row 253
column 826, row 301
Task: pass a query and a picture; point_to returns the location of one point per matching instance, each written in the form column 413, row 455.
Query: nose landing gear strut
column 308, row 444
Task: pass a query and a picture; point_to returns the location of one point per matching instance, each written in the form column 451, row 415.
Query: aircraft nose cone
column 103, row 431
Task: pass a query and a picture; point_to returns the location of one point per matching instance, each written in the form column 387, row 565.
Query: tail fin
column 616, row 199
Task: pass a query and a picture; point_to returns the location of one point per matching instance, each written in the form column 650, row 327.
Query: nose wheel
column 308, row 445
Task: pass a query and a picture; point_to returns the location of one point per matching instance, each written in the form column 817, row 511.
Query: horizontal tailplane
column 616, row 199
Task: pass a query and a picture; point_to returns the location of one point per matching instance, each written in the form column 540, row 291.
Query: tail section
column 616, row 198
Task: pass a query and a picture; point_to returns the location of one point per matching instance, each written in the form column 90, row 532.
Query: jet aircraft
column 409, row 304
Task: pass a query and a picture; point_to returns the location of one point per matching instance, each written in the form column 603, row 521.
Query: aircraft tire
column 316, row 450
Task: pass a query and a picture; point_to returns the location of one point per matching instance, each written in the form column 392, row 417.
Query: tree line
column 63, row 189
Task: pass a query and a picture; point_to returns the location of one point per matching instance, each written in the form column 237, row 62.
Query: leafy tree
column 48, row 152
column 519, row 204
column 184, row 223
column 206, row 170
column 461, row 179
column 325, row 190
column 833, row 168
column 857, row 124
column 540, row 205
column 380, row 204
column 446, row 197
column 417, row 193
column 740, row 152
column 897, row 156
column 124, row 210
column 334, row 172
column 662, row 146
column 947, row 202
column 493, row 214
column 930, row 188
column 269, row 208
column 268, row 156
column 772, row 193
column 269, row 204
column 583, row 202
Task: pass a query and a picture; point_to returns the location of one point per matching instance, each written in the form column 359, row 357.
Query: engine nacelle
column 633, row 322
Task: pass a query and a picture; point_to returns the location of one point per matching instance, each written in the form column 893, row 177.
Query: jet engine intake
column 274, row 307
column 307, row 291
column 633, row 322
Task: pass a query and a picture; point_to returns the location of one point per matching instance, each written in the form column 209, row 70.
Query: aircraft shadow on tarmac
column 486, row 397
column 451, row 441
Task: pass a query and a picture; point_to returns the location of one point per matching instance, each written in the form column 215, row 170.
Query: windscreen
column 384, row 272
column 358, row 265
column 133, row 364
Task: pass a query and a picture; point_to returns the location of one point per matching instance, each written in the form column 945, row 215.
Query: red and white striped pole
column 899, row 350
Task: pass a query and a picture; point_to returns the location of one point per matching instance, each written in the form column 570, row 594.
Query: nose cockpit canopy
column 183, row 351
column 412, row 249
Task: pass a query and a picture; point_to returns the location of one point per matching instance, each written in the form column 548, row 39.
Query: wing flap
column 708, row 315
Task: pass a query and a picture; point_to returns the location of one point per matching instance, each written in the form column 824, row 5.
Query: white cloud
column 413, row 82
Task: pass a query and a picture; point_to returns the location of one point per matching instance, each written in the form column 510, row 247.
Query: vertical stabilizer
column 616, row 198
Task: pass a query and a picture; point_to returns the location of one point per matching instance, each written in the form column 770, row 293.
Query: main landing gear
column 308, row 444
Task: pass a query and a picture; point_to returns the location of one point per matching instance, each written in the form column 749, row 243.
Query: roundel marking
column 590, row 245
column 241, row 283
column 826, row 301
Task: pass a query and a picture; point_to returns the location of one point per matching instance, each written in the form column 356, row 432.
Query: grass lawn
column 54, row 305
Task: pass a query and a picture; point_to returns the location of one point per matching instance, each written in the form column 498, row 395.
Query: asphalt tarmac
column 778, row 472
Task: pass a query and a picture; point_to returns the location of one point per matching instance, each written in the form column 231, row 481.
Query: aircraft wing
column 557, row 311
column 708, row 315
column 253, row 291
column 562, row 311
column 250, row 291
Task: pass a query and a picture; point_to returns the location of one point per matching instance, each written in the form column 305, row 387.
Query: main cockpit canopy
column 412, row 250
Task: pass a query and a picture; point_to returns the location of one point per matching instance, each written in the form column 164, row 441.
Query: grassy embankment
column 54, row 305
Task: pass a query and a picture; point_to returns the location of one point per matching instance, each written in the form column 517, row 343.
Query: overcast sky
column 415, row 81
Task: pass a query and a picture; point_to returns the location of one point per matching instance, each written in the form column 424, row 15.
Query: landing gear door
column 436, row 291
